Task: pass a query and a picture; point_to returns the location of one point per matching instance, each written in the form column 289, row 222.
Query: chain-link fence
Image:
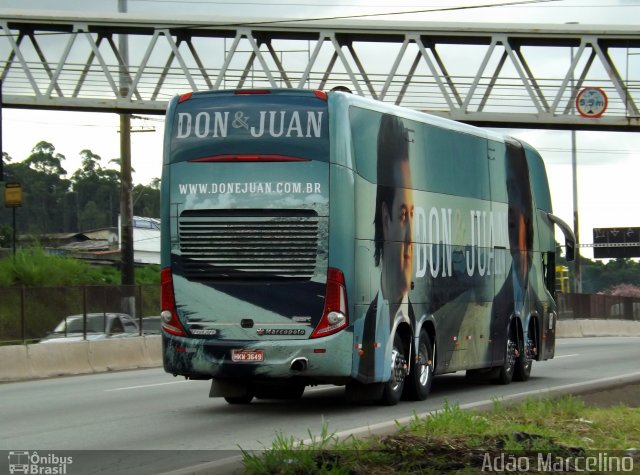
column 28, row 314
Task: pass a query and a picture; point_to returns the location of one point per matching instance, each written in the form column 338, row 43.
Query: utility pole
column 126, row 183
column 577, row 277
column 576, row 228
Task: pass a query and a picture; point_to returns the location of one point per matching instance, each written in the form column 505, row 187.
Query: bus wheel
column 418, row 383
column 393, row 388
column 246, row 399
column 524, row 362
column 505, row 374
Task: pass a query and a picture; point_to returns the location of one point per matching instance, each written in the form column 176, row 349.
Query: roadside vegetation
column 37, row 290
column 547, row 434
column 34, row 267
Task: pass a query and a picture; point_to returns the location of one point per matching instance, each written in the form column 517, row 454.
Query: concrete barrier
column 23, row 362
column 117, row 354
column 153, row 350
column 592, row 327
column 58, row 359
column 15, row 364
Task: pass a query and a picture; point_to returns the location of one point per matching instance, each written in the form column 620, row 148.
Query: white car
column 100, row 326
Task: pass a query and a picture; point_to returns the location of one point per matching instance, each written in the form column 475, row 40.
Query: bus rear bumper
column 326, row 359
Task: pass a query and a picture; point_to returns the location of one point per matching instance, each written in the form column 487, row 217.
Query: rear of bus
column 248, row 293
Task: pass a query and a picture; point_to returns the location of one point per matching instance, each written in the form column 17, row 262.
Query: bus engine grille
column 248, row 244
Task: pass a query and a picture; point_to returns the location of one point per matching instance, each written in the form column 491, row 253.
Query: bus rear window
column 209, row 128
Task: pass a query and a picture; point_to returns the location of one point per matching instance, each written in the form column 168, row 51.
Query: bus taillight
column 335, row 315
column 168, row 314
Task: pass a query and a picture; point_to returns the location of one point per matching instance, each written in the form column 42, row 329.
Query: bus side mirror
column 570, row 253
column 569, row 237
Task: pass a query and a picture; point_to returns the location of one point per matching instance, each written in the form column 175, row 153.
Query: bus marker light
column 185, row 97
column 320, row 94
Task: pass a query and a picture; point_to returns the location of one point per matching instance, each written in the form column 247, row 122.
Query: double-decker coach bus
column 324, row 238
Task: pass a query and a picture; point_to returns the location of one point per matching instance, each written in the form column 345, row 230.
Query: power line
column 294, row 4
column 587, row 150
column 335, row 17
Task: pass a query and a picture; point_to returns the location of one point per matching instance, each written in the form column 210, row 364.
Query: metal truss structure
column 500, row 75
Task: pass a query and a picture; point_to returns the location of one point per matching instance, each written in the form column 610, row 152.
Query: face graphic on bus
column 397, row 231
column 520, row 212
column 523, row 245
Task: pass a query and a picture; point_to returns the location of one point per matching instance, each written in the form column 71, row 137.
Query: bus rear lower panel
column 327, row 360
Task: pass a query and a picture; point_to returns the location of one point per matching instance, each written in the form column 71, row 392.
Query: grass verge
column 534, row 436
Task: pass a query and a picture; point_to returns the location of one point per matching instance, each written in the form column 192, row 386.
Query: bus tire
column 418, row 384
column 393, row 388
column 524, row 362
column 505, row 372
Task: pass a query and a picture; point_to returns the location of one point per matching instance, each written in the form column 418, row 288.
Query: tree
column 624, row 290
column 5, row 159
column 92, row 183
column 146, row 200
column 598, row 276
column 43, row 189
column 42, row 159
column 92, row 217
column 54, row 203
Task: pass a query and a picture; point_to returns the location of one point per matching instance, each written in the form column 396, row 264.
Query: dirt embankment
column 628, row 394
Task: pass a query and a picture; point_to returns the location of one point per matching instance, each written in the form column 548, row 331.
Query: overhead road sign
column 591, row 102
column 613, row 243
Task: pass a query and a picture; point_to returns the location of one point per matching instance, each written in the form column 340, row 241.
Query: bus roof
column 368, row 103
column 419, row 116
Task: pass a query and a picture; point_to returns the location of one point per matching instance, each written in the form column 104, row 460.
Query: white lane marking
column 390, row 427
column 566, row 356
column 234, row 464
column 145, row 386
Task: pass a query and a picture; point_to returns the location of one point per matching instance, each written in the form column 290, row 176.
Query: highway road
column 164, row 423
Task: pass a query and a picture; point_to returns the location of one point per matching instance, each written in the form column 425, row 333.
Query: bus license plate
column 247, row 356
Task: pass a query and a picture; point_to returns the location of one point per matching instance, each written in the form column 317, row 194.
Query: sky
column 608, row 162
